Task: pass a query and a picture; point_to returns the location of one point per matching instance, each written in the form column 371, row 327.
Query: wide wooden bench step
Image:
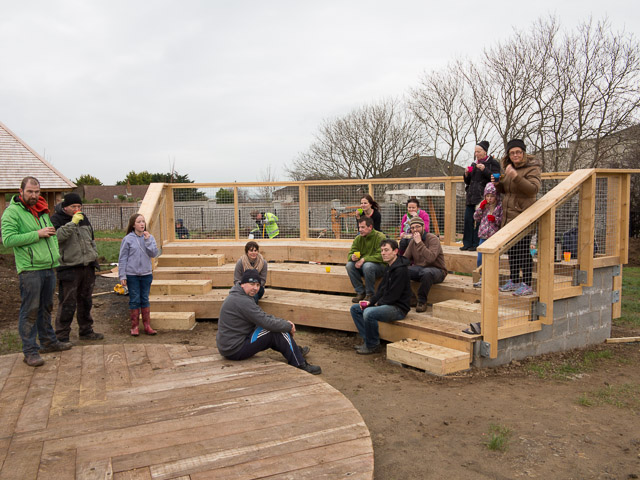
column 426, row 356
column 213, row 260
column 173, row 320
column 464, row 312
column 323, row 311
column 323, row 251
column 180, row 287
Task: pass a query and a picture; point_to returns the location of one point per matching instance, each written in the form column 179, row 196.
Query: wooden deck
column 137, row 411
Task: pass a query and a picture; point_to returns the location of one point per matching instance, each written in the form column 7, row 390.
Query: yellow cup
column 567, row 256
column 327, row 269
column 357, row 254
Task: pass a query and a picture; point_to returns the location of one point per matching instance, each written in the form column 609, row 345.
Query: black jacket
column 478, row 179
column 395, row 287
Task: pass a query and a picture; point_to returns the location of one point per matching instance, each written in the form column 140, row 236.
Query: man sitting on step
column 364, row 259
column 244, row 329
column 427, row 261
column 388, row 304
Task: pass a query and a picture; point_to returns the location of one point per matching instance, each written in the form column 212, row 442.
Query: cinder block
column 560, row 328
column 543, row 335
column 559, row 309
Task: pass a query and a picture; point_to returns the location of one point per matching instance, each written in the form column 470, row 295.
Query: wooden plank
column 135, row 474
column 185, row 260
column 95, row 470
column 56, row 463
column 159, row 357
column 35, row 408
column 616, row 308
column 546, row 246
column 490, row 296
column 623, row 216
column 464, row 312
column 22, row 461
column 115, row 365
column 623, row 340
column 173, row 320
column 138, row 362
column 92, row 384
column 6, row 365
column 426, row 356
column 180, row 287
column 586, row 226
column 521, row 329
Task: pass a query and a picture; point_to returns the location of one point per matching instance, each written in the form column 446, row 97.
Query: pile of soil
column 424, row 426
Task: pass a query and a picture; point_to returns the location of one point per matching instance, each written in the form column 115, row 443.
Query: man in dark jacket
column 425, row 254
column 389, row 303
column 77, row 270
column 244, row 329
column 476, row 177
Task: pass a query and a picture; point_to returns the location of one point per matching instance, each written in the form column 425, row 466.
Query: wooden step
column 180, row 287
column 429, row 357
column 212, row 260
column 173, row 320
column 324, row 311
column 465, row 313
column 314, row 278
column 323, row 251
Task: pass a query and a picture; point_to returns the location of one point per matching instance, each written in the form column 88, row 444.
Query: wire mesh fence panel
column 332, row 210
column 203, row 213
column 518, row 278
column 606, row 226
column 108, row 216
column 393, row 200
column 269, row 212
column 567, row 233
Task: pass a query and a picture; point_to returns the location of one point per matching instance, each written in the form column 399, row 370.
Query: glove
column 77, row 217
column 483, row 204
column 491, row 218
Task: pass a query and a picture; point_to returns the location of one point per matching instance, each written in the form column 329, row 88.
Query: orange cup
column 567, row 256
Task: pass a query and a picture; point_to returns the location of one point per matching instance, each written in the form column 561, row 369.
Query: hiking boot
column 358, row 298
column 92, row 336
column 509, row 287
column 33, row 360
column 364, row 350
column 359, row 346
column 413, row 301
column 304, row 351
column 56, row 347
column 463, row 248
column 523, row 290
column 312, row 369
column 367, row 298
column 421, row 307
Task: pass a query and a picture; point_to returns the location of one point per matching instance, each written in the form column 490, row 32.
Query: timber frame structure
column 598, row 207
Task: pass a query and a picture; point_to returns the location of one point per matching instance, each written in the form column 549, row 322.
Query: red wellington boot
column 146, row 321
column 135, row 319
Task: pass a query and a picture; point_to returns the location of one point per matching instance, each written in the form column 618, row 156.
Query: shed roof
column 18, row 160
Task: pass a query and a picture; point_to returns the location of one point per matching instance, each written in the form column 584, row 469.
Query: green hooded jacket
column 20, row 231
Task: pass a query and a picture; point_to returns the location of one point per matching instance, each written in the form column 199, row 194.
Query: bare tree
column 267, row 175
column 365, row 143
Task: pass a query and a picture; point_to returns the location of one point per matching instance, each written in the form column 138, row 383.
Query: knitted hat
column 516, row 142
column 484, row 145
column 71, row 199
column 490, row 188
column 250, row 276
column 416, row 219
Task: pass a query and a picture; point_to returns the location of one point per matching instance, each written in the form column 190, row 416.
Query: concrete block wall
column 577, row 322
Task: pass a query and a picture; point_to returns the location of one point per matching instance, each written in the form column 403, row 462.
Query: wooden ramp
column 139, row 411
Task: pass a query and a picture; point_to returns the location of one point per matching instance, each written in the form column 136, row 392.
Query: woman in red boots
column 134, row 269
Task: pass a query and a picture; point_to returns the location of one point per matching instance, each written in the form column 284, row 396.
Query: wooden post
column 586, row 226
column 304, row 212
column 622, row 222
column 490, row 284
column 449, row 212
column 236, row 213
column 546, row 246
column 169, row 213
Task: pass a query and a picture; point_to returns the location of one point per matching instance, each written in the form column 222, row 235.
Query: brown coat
column 427, row 253
column 519, row 193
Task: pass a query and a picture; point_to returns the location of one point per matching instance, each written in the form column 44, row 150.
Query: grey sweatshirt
column 135, row 255
column 239, row 317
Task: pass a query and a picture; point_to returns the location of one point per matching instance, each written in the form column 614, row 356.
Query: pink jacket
column 404, row 226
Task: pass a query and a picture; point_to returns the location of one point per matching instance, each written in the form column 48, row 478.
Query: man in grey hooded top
column 244, row 329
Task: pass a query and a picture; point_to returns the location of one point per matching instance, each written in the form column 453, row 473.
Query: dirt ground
column 560, row 425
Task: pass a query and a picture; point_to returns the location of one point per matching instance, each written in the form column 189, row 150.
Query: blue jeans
column 36, row 291
column 470, row 234
column 367, row 321
column 480, row 242
column 139, row 287
column 370, row 271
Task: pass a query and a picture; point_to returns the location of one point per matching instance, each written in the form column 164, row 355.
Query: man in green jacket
column 365, row 259
column 27, row 228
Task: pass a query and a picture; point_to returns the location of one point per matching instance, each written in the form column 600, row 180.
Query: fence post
column 304, row 216
column 490, row 296
column 236, row 214
column 449, row 212
column 587, row 226
column 546, row 266
column 169, row 213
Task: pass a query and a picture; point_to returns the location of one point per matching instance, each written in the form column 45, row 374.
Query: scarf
column 246, row 263
column 38, row 209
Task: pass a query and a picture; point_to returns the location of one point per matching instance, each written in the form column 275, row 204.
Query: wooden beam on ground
column 623, row 340
column 426, row 356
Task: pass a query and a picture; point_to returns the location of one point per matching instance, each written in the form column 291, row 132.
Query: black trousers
column 262, row 339
column 75, row 287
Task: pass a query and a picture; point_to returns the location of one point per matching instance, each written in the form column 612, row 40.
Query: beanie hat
column 516, row 142
column 416, row 219
column 484, row 145
column 250, row 276
column 71, row 199
column 490, row 188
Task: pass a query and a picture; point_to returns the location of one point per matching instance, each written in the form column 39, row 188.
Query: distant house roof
column 109, row 193
column 18, row 160
column 422, row 166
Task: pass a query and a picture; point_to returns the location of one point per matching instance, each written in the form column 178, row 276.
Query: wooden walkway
column 137, row 411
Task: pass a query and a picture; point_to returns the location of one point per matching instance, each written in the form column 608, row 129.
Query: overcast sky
column 224, row 89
